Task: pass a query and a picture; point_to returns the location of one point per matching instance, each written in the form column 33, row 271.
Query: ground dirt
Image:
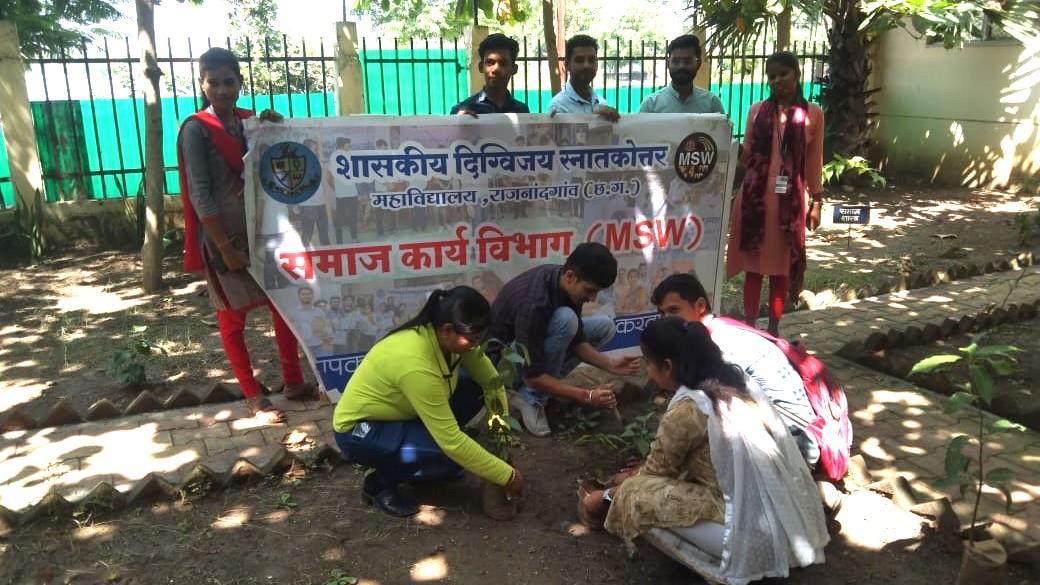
column 63, row 319
column 309, row 531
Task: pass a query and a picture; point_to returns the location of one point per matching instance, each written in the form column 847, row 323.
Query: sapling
column 984, row 364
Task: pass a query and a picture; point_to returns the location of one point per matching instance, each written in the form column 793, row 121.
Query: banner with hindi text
column 353, row 221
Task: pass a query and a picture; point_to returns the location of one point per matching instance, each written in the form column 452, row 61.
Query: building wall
column 966, row 116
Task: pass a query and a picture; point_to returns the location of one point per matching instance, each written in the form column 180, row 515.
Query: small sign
column 852, row 214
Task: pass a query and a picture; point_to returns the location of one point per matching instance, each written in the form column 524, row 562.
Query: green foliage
column 503, row 427
column 339, row 577
column 285, row 500
column 839, row 166
column 196, row 489
column 633, row 440
column 127, row 364
column 581, row 422
column 953, row 22
column 51, row 26
column 985, row 362
column 440, row 18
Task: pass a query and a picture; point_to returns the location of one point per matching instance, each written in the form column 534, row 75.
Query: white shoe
column 533, row 417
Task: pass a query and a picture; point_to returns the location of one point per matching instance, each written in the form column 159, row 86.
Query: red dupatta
column 755, row 188
column 230, row 149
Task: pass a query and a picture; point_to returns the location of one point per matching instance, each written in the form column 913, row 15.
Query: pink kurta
column 774, row 256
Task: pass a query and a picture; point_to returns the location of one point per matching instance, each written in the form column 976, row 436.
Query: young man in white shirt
column 581, row 60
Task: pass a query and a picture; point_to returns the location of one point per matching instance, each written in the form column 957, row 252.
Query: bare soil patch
column 309, row 532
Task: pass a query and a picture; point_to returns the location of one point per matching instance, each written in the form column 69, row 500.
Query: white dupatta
column 773, row 514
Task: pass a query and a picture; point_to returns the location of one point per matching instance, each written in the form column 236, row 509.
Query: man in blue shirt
column 498, row 64
column 578, row 97
column 682, row 96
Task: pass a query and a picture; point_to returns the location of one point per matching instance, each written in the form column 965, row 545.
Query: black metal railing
column 88, row 108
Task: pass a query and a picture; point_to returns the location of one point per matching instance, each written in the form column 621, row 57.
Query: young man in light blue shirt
column 682, row 96
column 577, row 97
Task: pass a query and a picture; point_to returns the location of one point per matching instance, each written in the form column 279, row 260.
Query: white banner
column 355, row 220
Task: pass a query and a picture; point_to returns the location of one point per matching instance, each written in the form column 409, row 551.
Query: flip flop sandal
column 262, row 406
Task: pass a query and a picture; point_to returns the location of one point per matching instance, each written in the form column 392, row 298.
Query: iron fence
column 88, row 108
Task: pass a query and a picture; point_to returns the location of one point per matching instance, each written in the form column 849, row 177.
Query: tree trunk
column 549, row 26
column 845, row 97
column 152, row 251
column 783, row 29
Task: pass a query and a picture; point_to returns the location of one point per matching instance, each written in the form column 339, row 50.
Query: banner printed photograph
column 355, row 220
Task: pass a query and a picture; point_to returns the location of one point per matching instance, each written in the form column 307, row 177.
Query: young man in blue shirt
column 682, row 96
column 498, row 64
column 581, row 60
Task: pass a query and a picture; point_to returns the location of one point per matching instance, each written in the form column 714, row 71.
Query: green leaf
column 931, row 363
column 957, row 401
column 139, row 328
column 1003, row 488
column 643, row 446
column 991, row 350
column 1001, row 367
column 981, row 383
column 513, row 423
column 999, row 475
column 1004, row 425
column 956, row 462
column 514, row 357
column 970, row 349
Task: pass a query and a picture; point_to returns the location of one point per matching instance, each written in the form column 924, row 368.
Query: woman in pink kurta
column 781, row 193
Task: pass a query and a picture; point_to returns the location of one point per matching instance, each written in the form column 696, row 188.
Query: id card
column 781, row 185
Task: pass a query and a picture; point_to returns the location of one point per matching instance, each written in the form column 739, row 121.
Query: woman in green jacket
column 402, row 411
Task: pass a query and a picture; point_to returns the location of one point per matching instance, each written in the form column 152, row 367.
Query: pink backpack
column 832, row 428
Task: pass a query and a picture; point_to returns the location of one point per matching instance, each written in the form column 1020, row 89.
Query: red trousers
column 232, row 325
column 753, row 293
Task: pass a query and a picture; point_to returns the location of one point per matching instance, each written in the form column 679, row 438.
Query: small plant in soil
column 633, row 440
column 127, row 364
column 580, row 422
column 857, row 166
column 985, row 363
column 285, row 500
column 503, row 428
column 339, row 577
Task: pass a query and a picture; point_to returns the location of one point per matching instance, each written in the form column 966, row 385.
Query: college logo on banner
column 290, row 172
column 695, row 157
column 354, row 221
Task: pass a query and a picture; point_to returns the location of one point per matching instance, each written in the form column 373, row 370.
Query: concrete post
column 19, row 136
column 350, row 89
column 703, row 78
column 476, row 78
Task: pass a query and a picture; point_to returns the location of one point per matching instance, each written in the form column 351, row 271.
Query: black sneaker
column 389, row 499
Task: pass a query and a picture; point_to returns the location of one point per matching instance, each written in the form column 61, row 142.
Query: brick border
column 62, row 414
column 872, row 352
column 106, row 498
column 954, row 271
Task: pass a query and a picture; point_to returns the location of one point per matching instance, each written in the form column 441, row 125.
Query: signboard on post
column 852, row 214
column 355, row 220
